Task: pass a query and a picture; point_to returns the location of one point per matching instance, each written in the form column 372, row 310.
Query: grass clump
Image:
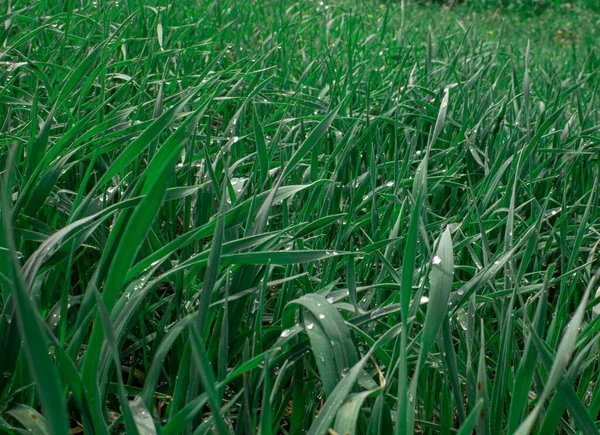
column 297, row 217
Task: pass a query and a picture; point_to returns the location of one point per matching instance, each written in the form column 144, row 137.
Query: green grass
column 299, row 217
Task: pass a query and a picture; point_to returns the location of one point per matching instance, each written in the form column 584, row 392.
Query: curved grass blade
column 35, row 342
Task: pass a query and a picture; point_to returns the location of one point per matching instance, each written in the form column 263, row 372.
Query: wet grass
column 298, row 217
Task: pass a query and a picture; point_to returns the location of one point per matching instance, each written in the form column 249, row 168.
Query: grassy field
column 322, row 217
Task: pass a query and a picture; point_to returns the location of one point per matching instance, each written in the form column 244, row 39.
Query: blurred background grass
column 560, row 30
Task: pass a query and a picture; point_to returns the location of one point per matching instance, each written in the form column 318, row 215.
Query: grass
column 299, row 217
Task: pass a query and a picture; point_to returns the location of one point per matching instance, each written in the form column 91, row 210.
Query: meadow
column 299, row 217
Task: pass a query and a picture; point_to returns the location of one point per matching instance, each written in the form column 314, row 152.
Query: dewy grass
column 299, row 217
